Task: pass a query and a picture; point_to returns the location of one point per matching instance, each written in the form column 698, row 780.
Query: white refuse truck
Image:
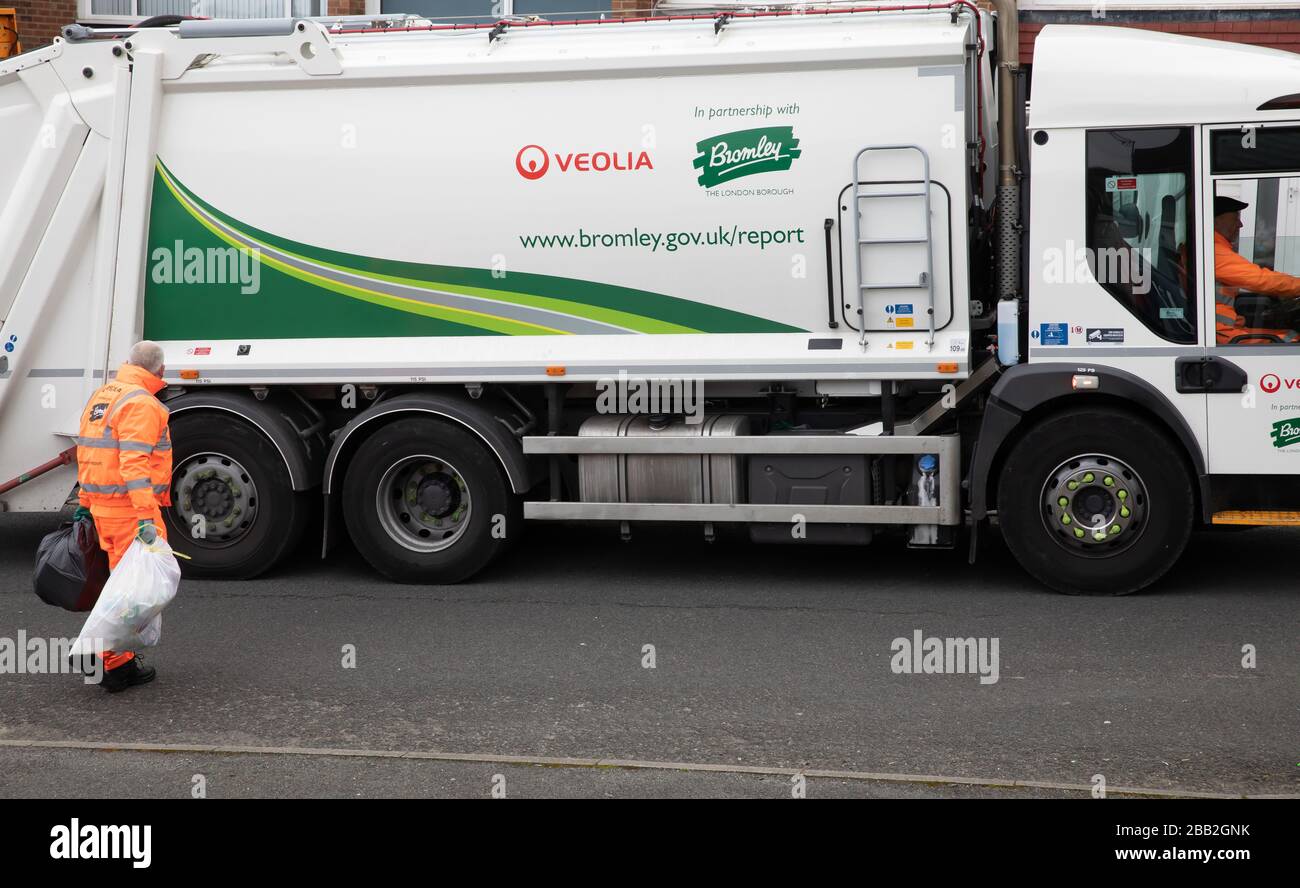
column 805, row 273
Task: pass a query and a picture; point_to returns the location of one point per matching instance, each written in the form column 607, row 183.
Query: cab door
column 1254, row 410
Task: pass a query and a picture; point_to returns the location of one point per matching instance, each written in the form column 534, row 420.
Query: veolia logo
column 1271, row 382
column 534, row 161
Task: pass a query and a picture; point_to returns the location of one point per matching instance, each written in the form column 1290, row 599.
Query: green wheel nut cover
column 1072, row 485
column 1122, row 494
column 1065, row 519
column 1099, row 535
column 1078, row 532
column 1063, row 502
column 1089, row 478
column 1114, row 529
column 1108, row 481
column 1124, row 512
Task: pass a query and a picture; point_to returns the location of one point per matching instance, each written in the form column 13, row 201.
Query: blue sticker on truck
column 1053, row 334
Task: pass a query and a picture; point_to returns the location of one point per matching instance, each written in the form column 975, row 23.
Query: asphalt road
column 775, row 659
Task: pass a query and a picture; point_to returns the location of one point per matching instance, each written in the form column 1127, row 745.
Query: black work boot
column 129, row 674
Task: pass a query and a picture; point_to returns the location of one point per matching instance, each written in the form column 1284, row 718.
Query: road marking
column 624, row 764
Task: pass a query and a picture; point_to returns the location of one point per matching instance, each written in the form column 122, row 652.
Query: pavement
column 769, row 662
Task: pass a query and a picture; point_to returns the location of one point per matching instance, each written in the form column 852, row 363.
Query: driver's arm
column 1233, row 270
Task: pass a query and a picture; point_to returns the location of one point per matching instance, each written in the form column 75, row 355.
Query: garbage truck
column 807, row 274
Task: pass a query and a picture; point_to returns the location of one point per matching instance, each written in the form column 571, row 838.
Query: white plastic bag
column 128, row 614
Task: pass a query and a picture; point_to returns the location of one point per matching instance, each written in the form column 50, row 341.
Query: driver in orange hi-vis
column 1234, row 273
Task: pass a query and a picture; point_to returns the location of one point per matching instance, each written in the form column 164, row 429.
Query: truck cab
column 1126, row 310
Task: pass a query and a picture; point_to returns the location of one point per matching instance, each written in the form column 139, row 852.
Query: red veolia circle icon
column 532, row 161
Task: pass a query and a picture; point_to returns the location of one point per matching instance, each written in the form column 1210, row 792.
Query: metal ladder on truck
column 925, row 278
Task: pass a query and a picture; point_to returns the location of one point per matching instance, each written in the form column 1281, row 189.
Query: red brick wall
column 1278, row 34
column 632, row 8
column 39, row 21
column 347, row 7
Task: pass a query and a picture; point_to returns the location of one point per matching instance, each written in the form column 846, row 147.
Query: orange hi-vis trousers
column 116, row 533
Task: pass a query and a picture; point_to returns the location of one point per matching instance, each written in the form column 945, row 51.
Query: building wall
column 39, row 21
column 1235, row 22
column 632, row 8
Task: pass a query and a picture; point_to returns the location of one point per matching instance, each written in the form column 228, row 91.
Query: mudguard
column 285, row 422
column 1027, row 387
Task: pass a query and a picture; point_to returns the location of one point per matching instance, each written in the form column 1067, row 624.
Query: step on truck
column 810, row 275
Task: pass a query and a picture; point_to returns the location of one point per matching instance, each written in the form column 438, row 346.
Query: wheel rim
column 1095, row 505
column 423, row 503
column 221, row 490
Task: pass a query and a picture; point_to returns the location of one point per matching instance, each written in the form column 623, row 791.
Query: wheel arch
column 480, row 419
column 1030, row 393
column 287, row 424
column 475, row 417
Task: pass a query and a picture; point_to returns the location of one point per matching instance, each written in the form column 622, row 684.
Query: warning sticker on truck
column 1053, row 334
column 1105, row 334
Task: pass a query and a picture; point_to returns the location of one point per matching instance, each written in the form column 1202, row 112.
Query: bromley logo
column 1285, row 432
column 731, row 156
column 534, row 161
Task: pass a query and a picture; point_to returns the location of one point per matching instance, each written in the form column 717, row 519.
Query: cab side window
column 1140, row 221
column 1256, row 177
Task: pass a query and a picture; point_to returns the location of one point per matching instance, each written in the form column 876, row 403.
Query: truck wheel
column 234, row 510
column 1096, row 502
column 426, row 502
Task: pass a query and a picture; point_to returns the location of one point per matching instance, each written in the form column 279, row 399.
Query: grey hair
column 148, row 355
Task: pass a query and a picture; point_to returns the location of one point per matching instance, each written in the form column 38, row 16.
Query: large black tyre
column 225, row 470
column 426, row 502
column 1066, row 484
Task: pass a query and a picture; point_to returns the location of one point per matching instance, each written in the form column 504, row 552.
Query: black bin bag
column 70, row 567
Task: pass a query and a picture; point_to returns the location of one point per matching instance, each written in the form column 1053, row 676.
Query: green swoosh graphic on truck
column 311, row 292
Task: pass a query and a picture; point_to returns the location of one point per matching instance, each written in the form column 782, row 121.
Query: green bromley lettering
column 1286, row 432
column 744, row 153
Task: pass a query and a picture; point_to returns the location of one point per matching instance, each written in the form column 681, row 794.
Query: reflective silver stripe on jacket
column 102, row 443
column 105, row 488
column 138, row 484
column 111, row 443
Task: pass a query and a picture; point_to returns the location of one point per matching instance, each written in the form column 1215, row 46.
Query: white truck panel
column 411, row 169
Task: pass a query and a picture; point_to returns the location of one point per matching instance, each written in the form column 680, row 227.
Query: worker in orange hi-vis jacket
column 1233, row 273
column 124, row 468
